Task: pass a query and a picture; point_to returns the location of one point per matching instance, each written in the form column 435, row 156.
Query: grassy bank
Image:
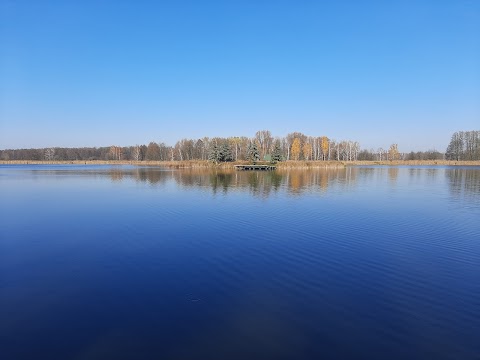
column 281, row 165
column 414, row 163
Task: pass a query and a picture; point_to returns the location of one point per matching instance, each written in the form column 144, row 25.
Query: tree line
column 464, row 145
column 263, row 146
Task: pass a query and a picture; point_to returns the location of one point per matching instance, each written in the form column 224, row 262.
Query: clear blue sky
column 97, row 73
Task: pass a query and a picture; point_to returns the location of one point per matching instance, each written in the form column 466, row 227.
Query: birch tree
column 136, row 153
column 115, row 152
column 307, row 151
column 264, row 140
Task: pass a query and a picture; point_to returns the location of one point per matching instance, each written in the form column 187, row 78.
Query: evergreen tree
column 277, row 152
column 252, row 152
column 225, row 153
column 214, row 153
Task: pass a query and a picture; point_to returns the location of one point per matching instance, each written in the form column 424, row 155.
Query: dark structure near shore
column 255, row 167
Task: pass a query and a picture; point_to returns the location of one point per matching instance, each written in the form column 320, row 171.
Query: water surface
column 128, row 262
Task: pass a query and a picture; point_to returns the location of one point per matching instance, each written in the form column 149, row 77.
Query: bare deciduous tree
column 136, row 153
column 49, row 154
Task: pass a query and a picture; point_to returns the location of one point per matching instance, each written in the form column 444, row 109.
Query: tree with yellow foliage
column 296, row 149
column 325, row 145
column 307, row 150
column 393, row 153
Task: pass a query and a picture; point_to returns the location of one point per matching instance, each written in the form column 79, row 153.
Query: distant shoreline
column 230, row 165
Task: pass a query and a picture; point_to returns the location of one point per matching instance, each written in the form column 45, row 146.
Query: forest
column 464, row 145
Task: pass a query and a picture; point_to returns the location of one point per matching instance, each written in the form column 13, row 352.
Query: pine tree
column 277, row 152
column 225, row 153
column 214, row 153
column 252, row 152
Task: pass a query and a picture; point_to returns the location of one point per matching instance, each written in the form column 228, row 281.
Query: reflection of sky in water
column 106, row 261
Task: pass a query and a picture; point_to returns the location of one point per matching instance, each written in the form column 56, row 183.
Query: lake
column 124, row 262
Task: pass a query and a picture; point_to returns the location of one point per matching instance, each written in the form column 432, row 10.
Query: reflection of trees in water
column 432, row 173
column 116, row 175
column 298, row 181
column 262, row 183
column 348, row 177
column 393, row 174
column 276, row 180
column 415, row 174
column 427, row 175
column 152, row 175
column 382, row 173
column 192, row 178
column 220, row 180
column 464, row 183
column 259, row 183
column 149, row 175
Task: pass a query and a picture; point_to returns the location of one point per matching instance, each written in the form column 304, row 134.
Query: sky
column 101, row 73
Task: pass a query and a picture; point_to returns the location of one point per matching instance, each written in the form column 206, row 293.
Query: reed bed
column 414, row 163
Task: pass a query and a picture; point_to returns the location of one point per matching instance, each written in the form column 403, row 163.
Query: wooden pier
column 255, row 167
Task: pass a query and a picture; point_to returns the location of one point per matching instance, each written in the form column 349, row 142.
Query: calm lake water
column 102, row 262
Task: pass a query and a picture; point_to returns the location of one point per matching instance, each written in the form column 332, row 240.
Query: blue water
column 102, row 262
